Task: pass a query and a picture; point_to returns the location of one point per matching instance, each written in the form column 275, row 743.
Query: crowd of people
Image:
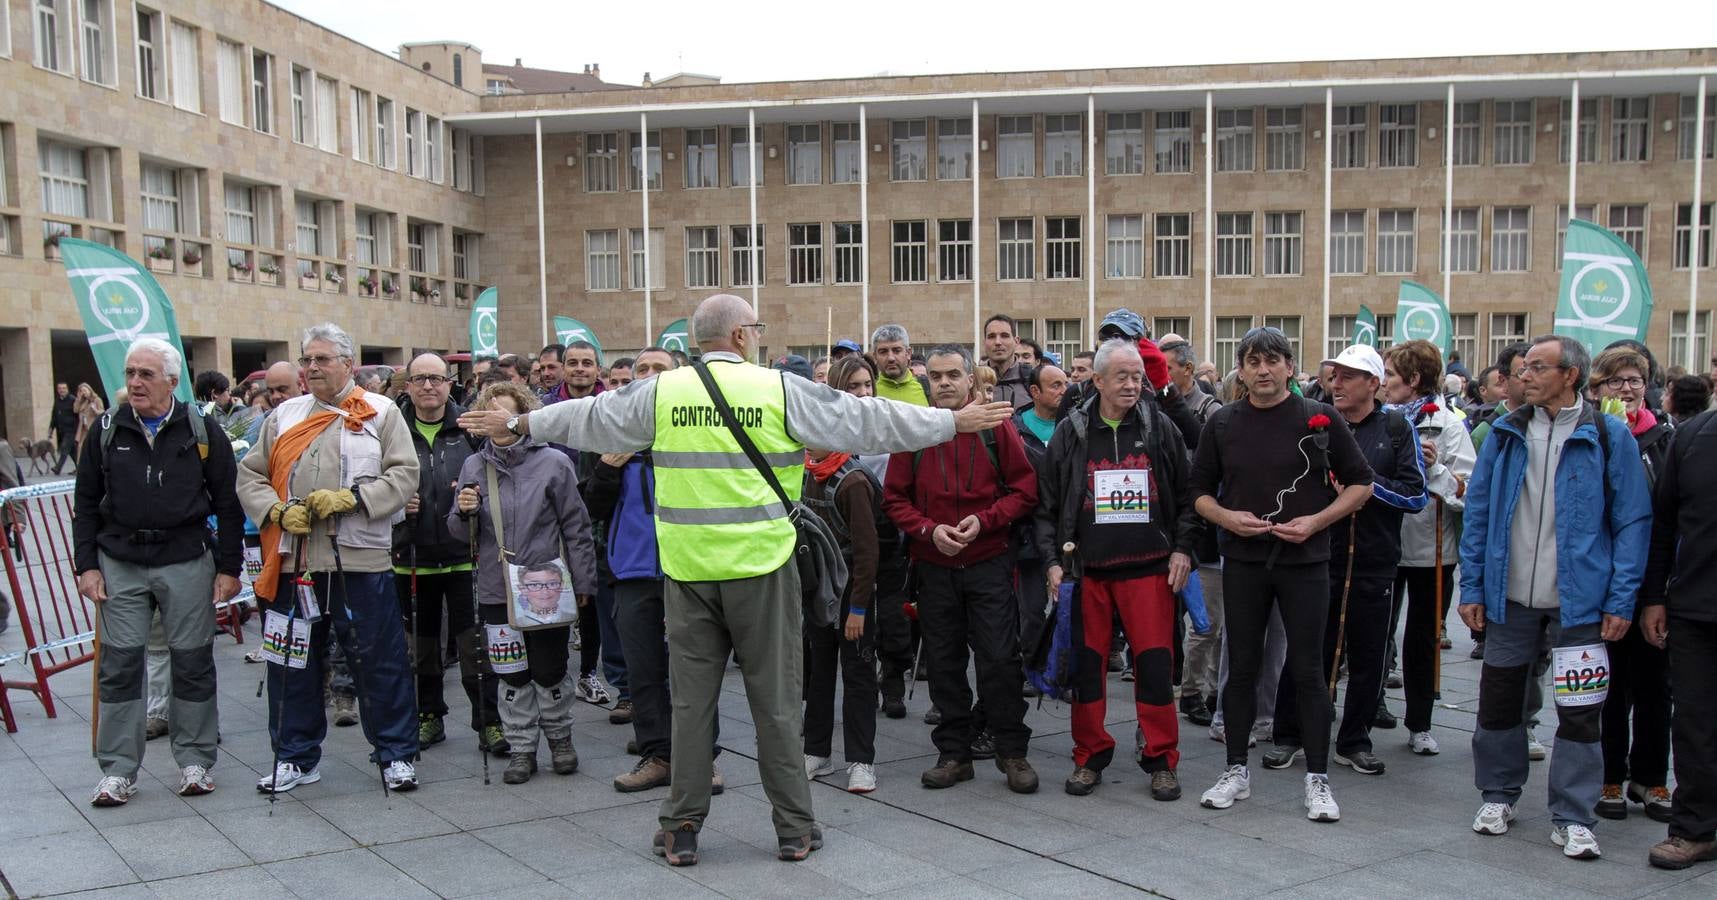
column 1234, row 538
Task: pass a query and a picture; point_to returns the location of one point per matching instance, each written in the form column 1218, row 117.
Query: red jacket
column 948, row 482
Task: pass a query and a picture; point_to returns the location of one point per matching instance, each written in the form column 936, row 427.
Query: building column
column 26, row 368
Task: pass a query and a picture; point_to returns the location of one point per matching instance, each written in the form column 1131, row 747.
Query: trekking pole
column 1341, row 621
column 357, row 660
column 286, row 664
column 411, row 639
column 482, row 635
column 1436, row 641
column 95, row 685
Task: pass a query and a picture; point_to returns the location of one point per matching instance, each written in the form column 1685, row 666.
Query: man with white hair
column 327, row 481
column 147, row 481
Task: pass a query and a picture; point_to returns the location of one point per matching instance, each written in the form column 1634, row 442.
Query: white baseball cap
column 1360, row 358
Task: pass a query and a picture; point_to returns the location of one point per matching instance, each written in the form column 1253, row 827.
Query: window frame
column 958, row 168
column 1515, row 258
column 1178, row 246
column 1345, row 243
column 703, row 256
column 1237, row 140
column 1124, row 253
column 1521, row 133
column 1016, row 147
column 848, row 254
column 1016, row 256
column 804, row 154
column 1284, row 139
column 1063, row 150
column 902, row 167
column 911, row 254
column 805, row 254
column 603, row 260
column 1131, row 159
column 1234, row 245
column 1177, row 150
column 954, row 251
column 1063, row 253
column 1289, row 249
column 1404, row 243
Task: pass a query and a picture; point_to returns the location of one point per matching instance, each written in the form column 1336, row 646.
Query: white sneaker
column 1422, row 743
column 818, row 765
column 1493, row 818
column 1576, row 841
column 113, row 790
column 194, row 780
column 590, row 690
column 1235, row 784
column 400, row 776
column 1320, row 803
column 861, row 778
column 1262, row 730
column 1535, row 751
column 286, row 777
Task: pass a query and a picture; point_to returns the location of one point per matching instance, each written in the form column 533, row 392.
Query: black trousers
column 973, row 607
column 1301, row 593
column 1692, row 647
column 639, row 617
column 1639, row 682
column 1365, row 634
column 825, row 648
column 1033, row 597
column 547, row 650
column 448, row 592
column 1416, row 586
column 896, row 635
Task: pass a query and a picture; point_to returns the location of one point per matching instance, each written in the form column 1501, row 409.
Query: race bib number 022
column 1582, row 675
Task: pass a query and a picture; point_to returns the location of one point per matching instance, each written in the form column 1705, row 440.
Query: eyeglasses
column 1536, row 369
column 1619, row 382
column 145, row 374
column 757, row 325
column 429, row 380
column 320, row 362
column 540, row 585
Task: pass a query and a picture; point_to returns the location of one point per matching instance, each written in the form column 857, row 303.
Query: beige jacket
column 380, row 460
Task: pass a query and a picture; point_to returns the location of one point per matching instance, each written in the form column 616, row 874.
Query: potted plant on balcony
column 390, row 289
column 239, row 269
column 193, row 260
column 51, row 245
column 268, row 273
column 419, row 290
column 366, row 285
column 334, row 279
column 160, row 258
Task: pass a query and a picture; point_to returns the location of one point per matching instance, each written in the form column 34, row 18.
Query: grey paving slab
column 1198, row 860
column 458, row 865
column 34, row 812
column 759, row 874
column 653, row 879
column 62, row 863
column 948, row 848
column 293, row 831
column 556, row 848
column 352, row 873
column 368, row 821
column 125, row 892
column 869, row 867
column 1051, row 878
column 174, row 847
column 951, row 888
column 251, row 883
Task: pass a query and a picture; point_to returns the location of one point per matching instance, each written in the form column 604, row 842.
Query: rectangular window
column 954, row 250
column 1064, row 337
column 327, row 114
column 1510, row 239
column 65, row 180
column 309, row 232
column 1466, row 339
column 53, row 35
column 1627, row 220
column 644, row 157
column 1386, row 331
column 1588, row 130
column 953, row 149
column 1585, row 212
column 910, row 252
column 1689, row 124
column 386, row 150
column 1469, row 122
column 1124, row 144
column 846, row 156
column 1124, row 251
column 1229, row 331
column 739, row 161
column 229, row 66
column 1234, row 244
column 151, row 81
column 1397, row 135
column 1630, row 129
column 1463, row 241
column 1167, row 325
column 432, row 142
column 1285, row 138
column 262, row 92
column 1063, row 152
column 747, row 254
column 1282, row 243
column 413, row 142
column 1396, row 241
column 805, row 154
column 907, row 150
column 657, row 264
column 701, row 158
column 1061, row 248
column 1016, row 147
column 1511, row 141
column 98, row 63
column 805, row 254
column 849, row 253
column 1235, row 139
column 1171, row 245
column 160, row 188
column 249, row 214
column 703, row 257
column 465, row 256
column 1339, row 336
column 1348, row 135
column 1016, row 250
column 187, row 86
column 1678, row 337
column 1505, row 329
column 602, row 260
column 303, row 110
column 422, row 253
column 365, row 242
column 601, row 161
column 363, row 125
column 1289, row 326
column 1347, row 242
column 1684, row 231
column 1171, row 137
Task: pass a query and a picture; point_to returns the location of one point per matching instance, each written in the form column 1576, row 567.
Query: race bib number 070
column 506, row 649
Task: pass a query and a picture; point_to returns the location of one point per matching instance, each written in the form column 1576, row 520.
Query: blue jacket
column 1600, row 554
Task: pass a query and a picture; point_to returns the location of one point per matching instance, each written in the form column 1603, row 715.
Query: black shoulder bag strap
column 744, row 440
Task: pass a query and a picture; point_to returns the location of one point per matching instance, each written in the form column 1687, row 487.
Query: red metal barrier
column 55, row 620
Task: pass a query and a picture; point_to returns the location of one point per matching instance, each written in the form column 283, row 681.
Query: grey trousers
column 759, row 621
column 1200, row 671
column 160, row 670
column 184, row 595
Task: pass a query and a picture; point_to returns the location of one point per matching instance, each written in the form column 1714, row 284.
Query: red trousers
column 1146, row 608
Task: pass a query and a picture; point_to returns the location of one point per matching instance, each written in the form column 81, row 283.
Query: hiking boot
column 861, row 778
column 1656, row 800
column 983, row 746
column 563, row 759
column 1320, row 803
column 893, row 684
column 1083, row 781
column 680, row 846
column 1443, row 642
column 1195, row 711
column 1493, row 818
column 1679, row 852
column 492, row 740
column 1611, row 803
column 113, row 791
column 1165, row 785
column 1422, row 743
column 1477, row 651
column 1022, row 778
column 947, row 773
column 1576, row 841
column 520, row 768
column 621, row 714
column 632, row 748
column 400, row 775
column 933, row 716
column 1282, row 756
column 894, row 707
column 195, row 781
column 1363, row 761
column 430, row 730
column 650, row 772
column 286, row 777
column 345, row 711
column 1235, row 784
column 1383, row 718
column 154, row 728
column 796, row 849
column 717, row 784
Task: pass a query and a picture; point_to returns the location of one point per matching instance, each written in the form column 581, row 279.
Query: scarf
column 1414, row 409
column 825, row 468
column 282, row 456
column 1641, row 421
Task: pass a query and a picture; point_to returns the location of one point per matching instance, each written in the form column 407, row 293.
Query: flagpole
column 1448, row 204
column 643, row 151
column 1573, row 144
column 1693, row 236
column 756, row 245
column 542, row 239
column 1210, row 225
column 1328, row 96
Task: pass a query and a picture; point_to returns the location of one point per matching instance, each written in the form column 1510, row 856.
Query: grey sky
column 775, row 41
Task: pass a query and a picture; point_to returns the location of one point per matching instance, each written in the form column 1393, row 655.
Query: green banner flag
column 119, row 302
column 677, row 336
column 1421, row 315
column 567, row 329
column 486, row 325
column 1605, row 295
column 1365, row 327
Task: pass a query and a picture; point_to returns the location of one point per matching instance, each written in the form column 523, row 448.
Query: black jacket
column 1170, row 401
column 63, row 421
column 1681, row 569
column 437, row 474
column 1397, row 489
column 1654, row 449
column 152, row 503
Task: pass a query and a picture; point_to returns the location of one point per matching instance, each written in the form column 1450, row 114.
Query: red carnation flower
column 1428, row 408
column 910, row 609
column 1318, row 422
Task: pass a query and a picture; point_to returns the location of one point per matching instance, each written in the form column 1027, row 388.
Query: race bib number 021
column 506, row 649
column 1121, row 495
column 1582, row 675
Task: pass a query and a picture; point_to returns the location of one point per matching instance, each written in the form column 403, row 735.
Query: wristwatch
column 513, row 426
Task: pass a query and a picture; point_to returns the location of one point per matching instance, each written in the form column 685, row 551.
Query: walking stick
column 95, row 685
column 482, row 661
column 411, row 639
column 1346, row 589
column 1437, row 650
column 285, row 666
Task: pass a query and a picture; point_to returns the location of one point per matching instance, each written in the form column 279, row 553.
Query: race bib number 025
column 1582, row 675
column 1121, row 495
column 285, row 641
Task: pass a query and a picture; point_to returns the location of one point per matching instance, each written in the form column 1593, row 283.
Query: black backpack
column 887, row 534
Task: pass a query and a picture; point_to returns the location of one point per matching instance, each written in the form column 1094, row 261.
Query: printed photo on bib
column 285, row 641
column 506, row 649
column 1121, row 495
column 1582, row 674
column 542, row 596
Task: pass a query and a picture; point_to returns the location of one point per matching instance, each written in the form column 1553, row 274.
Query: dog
column 41, row 454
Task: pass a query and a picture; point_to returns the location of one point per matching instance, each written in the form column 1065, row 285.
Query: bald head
column 720, row 324
column 281, row 379
column 428, row 386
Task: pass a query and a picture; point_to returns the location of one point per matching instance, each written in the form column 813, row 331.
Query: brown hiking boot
column 345, row 711
column 1165, row 785
column 1679, row 852
column 650, row 772
column 679, row 847
column 948, row 772
column 520, row 768
column 1022, row 778
column 797, row 849
column 562, row 757
column 1083, row 781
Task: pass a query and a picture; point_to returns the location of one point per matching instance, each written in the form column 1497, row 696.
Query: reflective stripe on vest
column 716, row 518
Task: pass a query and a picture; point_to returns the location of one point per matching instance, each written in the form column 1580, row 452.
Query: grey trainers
column 1282, row 756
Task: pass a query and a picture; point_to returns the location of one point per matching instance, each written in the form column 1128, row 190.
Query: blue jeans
column 1511, row 648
